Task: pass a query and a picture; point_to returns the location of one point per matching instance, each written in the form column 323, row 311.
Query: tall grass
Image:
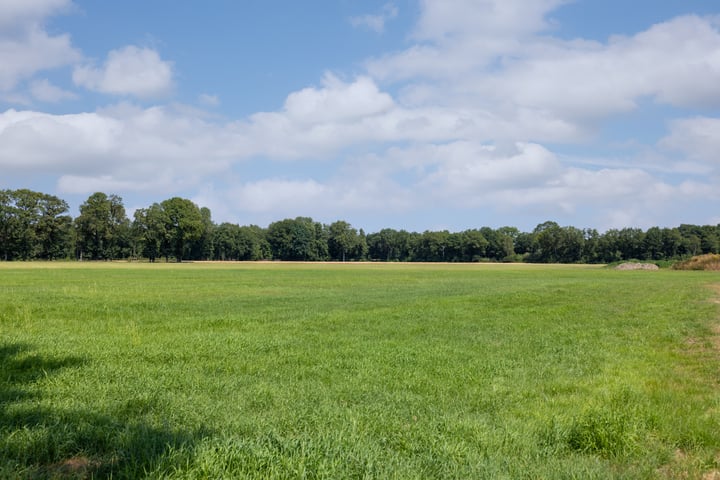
column 356, row 371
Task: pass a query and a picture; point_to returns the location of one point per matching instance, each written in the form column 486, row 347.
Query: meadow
column 357, row 371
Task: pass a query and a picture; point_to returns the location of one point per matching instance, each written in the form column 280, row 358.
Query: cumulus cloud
column 443, row 20
column 676, row 62
column 376, row 22
column 129, row 70
column 337, row 101
column 458, row 36
column 16, row 13
column 31, row 50
column 149, row 149
column 45, row 91
column 26, row 47
column 483, row 103
column 209, row 100
column 697, row 138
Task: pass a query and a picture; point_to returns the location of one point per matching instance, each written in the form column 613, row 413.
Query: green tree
column 392, row 245
column 33, row 225
column 653, row 244
column 433, row 247
column 343, row 241
column 297, row 239
column 53, row 228
column 102, row 227
column 226, row 238
column 253, row 243
column 9, row 225
column 473, row 245
column 547, row 242
column 149, row 230
column 183, row 225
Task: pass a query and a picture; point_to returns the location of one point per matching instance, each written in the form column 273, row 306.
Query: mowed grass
column 357, row 371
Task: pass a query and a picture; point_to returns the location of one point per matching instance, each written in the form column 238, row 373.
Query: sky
column 407, row 114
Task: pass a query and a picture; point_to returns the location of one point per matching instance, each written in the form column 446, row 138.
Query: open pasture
column 357, row 371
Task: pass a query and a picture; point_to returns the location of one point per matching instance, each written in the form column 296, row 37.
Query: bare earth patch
column 75, row 467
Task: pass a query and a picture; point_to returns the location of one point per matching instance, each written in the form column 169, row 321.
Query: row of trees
column 35, row 225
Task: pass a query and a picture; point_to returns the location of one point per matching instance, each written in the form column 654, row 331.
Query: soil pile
column 637, row 266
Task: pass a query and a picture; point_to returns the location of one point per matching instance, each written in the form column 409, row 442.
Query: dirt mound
column 710, row 261
column 637, row 266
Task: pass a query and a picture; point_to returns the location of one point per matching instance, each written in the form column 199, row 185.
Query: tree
column 547, row 242
column 102, row 227
column 473, row 244
column 9, row 224
column 33, row 225
column 653, row 244
column 202, row 249
column 572, row 242
column 183, row 225
column 253, row 243
column 53, row 228
column 226, row 242
column 392, row 245
column 297, row 239
column 343, row 241
column 149, row 230
column 433, row 247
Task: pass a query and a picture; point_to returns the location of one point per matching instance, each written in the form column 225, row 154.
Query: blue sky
column 415, row 114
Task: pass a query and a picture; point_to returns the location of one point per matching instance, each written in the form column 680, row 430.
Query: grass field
column 357, row 371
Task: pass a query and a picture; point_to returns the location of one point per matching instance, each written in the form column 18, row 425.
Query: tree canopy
column 37, row 226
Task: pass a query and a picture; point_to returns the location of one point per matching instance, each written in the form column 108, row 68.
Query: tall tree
column 8, row 224
column 184, row 225
column 297, row 239
column 149, row 229
column 473, row 245
column 343, row 241
column 391, row 245
column 101, row 227
column 53, row 228
column 226, row 240
column 33, row 225
column 547, row 242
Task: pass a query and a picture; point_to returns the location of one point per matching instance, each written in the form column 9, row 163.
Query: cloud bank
column 475, row 116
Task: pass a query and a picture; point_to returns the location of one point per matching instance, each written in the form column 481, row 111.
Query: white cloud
column 697, row 138
column 455, row 37
column 157, row 148
column 32, row 50
column 45, row 91
column 337, row 101
column 130, row 70
column 483, row 93
column 376, row 22
column 209, row 100
column 469, row 169
column 281, row 195
column 26, row 47
column 443, row 20
column 675, row 62
column 14, row 13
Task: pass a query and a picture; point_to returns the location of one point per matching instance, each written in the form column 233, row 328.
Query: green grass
column 357, row 371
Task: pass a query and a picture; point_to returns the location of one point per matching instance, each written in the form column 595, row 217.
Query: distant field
column 357, row 371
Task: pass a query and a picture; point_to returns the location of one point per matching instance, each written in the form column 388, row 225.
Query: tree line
column 37, row 226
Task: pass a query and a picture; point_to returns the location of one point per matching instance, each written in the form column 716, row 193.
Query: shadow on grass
column 38, row 442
